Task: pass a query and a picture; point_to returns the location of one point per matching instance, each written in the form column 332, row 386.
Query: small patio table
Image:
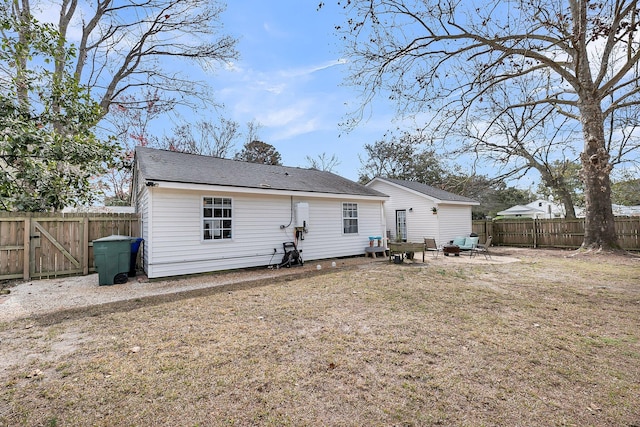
column 451, row 249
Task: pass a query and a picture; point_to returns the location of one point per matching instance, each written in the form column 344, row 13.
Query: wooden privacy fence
column 553, row 233
column 41, row 245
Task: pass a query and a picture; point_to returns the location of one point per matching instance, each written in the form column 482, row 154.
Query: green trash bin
column 112, row 258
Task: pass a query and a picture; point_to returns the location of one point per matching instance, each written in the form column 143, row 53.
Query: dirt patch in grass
column 550, row 340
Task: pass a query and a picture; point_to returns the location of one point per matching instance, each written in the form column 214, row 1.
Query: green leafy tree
column 259, row 152
column 626, row 189
column 402, row 158
column 48, row 151
column 493, row 195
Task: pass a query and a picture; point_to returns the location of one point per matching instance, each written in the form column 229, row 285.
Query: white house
column 201, row 213
column 538, row 209
column 416, row 210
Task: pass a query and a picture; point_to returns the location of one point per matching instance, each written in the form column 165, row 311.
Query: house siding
column 455, row 220
column 450, row 220
column 142, row 209
column 176, row 232
column 421, row 222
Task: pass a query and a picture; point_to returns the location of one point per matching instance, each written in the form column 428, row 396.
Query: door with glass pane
column 401, row 225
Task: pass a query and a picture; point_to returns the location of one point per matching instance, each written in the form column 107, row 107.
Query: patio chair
column 431, row 246
column 483, row 249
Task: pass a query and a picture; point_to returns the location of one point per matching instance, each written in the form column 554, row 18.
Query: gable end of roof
column 427, row 190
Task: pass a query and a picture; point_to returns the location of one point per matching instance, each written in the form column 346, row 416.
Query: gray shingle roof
column 436, row 193
column 171, row 166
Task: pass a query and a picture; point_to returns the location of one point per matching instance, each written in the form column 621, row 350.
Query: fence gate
column 41, row 245
column 56, row 247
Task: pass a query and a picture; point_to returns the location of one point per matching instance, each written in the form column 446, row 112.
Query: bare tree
column 204, row 137
column 131, row 127
column 447, row 55
column 322, row 162
column 518, row 139
column 253, row 131
column 130, row 44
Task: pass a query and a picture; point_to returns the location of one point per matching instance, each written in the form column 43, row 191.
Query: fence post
column 26, row 255
column 85, row 245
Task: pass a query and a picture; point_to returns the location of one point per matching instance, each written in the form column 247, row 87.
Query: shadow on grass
column 47, row 319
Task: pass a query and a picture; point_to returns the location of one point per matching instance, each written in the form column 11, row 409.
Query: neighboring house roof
column 172, row 166
column 536, row 209
column 622, row 210
column 432, row 192
column 521, row 210
column 100, row 209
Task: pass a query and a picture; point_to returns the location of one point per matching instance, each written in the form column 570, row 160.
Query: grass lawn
column 552, row 340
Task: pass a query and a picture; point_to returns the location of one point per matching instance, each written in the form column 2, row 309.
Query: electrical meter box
column 301, row 215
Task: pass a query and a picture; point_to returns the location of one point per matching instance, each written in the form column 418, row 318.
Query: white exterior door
column 401, row 224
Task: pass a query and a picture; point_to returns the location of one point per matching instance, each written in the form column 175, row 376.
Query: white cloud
column 282, row 117
column 296, row 129
column 308, row 70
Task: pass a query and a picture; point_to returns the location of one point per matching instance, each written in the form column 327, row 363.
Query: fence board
column 12, row 239
column 555, row 233
column 36, row 245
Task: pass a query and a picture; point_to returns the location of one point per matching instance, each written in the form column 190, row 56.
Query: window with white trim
column 217, row 218
column 350, row 218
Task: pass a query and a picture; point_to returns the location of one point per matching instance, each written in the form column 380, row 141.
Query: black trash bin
column 135, row 246
column 112, row 258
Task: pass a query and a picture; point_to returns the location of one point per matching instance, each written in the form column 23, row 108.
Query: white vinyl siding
column 142, row 209
column 178, row 247
column 420, row 220
column 450, row 220
column 458, row 221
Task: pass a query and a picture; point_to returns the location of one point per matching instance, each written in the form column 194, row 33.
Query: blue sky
column 289, row 79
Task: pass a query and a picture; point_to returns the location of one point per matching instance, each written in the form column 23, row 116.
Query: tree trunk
column 567, row 201
column 557, row 183
column 599, row 228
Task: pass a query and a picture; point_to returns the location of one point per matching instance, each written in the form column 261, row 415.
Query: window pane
column 350, row 218
column 207, row 230
column 217, row 207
